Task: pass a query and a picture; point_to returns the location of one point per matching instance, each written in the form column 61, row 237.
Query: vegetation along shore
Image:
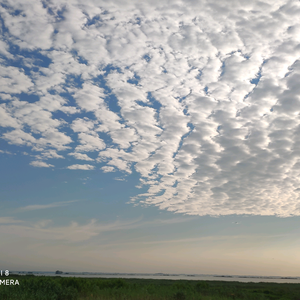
column 70, row 288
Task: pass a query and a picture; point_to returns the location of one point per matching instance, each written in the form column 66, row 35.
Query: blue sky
column 150, row 137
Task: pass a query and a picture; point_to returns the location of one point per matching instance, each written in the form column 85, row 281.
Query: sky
column 150, row 136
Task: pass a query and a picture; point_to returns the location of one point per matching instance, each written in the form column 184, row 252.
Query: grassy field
column 62, row 288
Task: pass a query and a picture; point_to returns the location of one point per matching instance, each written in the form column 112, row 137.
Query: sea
column 240, row 278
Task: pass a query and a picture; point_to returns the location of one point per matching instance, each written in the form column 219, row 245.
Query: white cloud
column 56, row 139
column 81, row 167
column 69, row 109
column 19, row 137
column 107, row 169
column 6, row 120
column 81, row 156
column 51, row 102
column 5, row 96
column 32, row 28
column 33, row 115
column 13, row 80
column 90, row 97
column 4, row 50
column 40, row 164
column 82, row 125
column 49, row 154
column 89, row 142
column 202, row 100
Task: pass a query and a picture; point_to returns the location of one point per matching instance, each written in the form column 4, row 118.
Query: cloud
column 81, row 167
column 49, row 154
column 19, row 137
column 32, row 28
column 9, row 220
column 82, row 125
column 201, row 100
column 89, row 142
column 13, row 80
column 6, row 120
column 119, row 179
column 81, row 156
column 45, row 206
column 40, row 164
column 74, row 232
column 107, row 169
column 209, row 238
column 44, row 230
column 5, row 151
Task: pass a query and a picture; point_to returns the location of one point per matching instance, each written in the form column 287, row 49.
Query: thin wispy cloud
column 201, row 101
column 46, row 206
column 44, row 229
column 172, row 220
column 75, row 232
column 5, row 152
column 119, row 179
column 232, row 238
column 9, row 220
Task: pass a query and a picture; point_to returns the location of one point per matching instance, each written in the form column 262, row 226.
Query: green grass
column 63, row 288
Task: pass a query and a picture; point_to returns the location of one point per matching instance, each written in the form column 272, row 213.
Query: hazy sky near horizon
column 150, row 136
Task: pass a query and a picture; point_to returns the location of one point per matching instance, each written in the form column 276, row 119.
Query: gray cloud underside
column 226, row 138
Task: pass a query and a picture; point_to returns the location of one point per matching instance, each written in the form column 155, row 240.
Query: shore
column 57, row 287
column 160, row 276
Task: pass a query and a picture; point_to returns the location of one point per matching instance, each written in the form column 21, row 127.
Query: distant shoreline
column 240, row 278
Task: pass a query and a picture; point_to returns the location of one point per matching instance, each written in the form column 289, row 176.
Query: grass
column 70, row 288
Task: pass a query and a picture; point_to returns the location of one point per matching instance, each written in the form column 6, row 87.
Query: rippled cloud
column 201, row 98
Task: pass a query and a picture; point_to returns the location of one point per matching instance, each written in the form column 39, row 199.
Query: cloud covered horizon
column 201, row 98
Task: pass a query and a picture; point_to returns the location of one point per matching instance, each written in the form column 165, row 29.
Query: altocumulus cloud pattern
column 201, row 98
